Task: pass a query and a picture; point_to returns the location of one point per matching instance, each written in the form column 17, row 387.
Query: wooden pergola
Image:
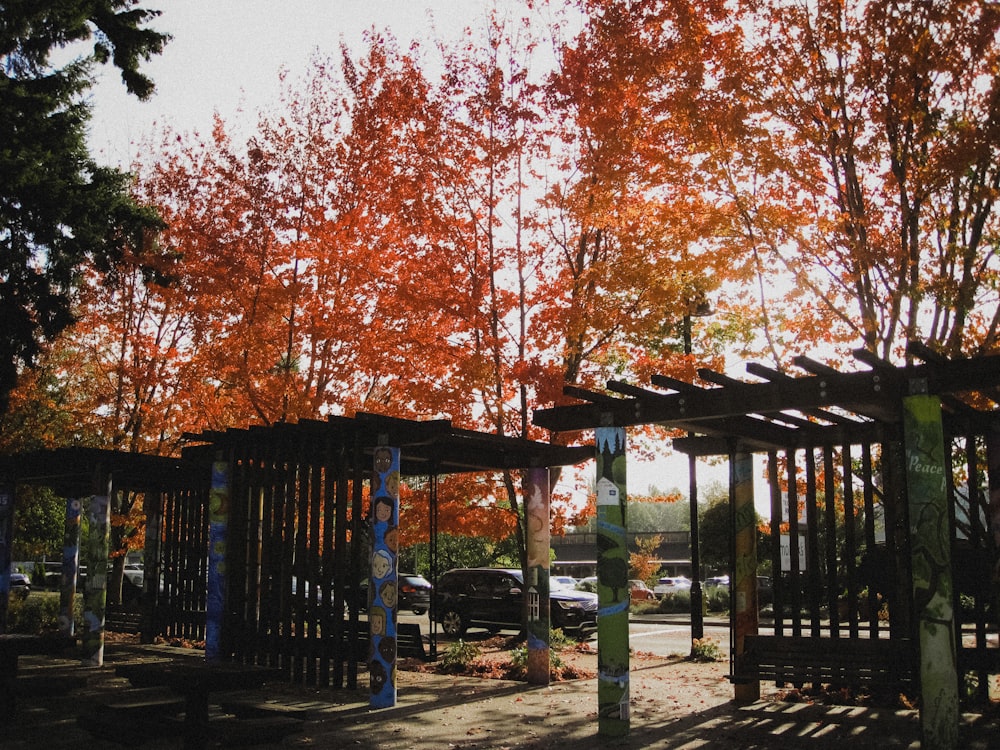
column 849, row 456
column 294, row 503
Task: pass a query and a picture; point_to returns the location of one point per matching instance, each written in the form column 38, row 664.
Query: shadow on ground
column 456, row 713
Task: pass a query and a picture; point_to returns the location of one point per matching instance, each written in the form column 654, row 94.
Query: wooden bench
column 119, row 620
column 840, row 662
column 12, row 647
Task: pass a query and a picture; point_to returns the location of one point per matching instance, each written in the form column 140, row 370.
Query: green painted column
column 746, row 615
column 927, row 493
column 536, row 490
column 613, row 591
column 95, row 595
column 70, row 566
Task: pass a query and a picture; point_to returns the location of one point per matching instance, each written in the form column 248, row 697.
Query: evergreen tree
column 58, row 209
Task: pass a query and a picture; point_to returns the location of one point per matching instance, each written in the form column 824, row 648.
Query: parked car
column 640, row 591
column 134, row 573
column 414, row 593
column 20, row 585
column 671, row 585
column 562, row 582
column 493, row 598
column 716, row 582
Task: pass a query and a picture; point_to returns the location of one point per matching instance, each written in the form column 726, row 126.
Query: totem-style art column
column 218, row 527
column 95, row 597
column 384, row 581
column 926, row 486
column 536, row 490
column 745, row 611
column 6, row 536
column 70, row 566
column 613, row 590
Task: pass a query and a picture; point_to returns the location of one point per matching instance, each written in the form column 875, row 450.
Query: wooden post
column 70, row 566
column 6, row 538
column 537, row 584
column 745, row 610
column 383, row 584
column 613, row 590
column 926, row 484
column 218, row 528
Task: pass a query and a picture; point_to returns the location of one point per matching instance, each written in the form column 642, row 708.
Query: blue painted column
column 383, row 584
column 613, row 589
column 70, row 566
column 218, row 529
column 537, row 540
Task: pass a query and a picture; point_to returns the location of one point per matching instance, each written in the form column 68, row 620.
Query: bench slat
column 837, row 661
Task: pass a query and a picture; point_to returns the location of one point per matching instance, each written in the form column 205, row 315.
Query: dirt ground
column 676, row 704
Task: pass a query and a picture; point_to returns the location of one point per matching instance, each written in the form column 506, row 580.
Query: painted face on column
column 381, row 564
column 383, row 510
column 383, row 460
column 387, row 591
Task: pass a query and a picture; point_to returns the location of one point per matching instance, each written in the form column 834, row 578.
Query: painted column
column 70, row 566
column 384, row 581
column 536, row 490
column 745, row 609
column 931, row 560
column 613, row 590
column 6, row 537
column 218, row 527
column 95, row 596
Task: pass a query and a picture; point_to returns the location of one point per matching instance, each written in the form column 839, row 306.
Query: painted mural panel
column 384, row 579
column 745, row 604
column 218, row 527
column 537, row 583
column 96, row 592
column 613, row 590
column 931, row 559
column 70, row 566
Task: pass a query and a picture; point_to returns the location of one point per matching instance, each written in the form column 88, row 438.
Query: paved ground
column 674, row 705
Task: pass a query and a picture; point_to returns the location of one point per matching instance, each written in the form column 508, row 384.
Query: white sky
column 228, row 53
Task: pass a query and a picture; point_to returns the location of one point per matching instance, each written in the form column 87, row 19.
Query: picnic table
column 12, row 647
column 196, row 680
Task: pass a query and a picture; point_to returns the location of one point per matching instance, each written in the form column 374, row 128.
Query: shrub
column 559, row 640
column 705, row 649
column 676, row 601
column 39, row 612
column 717, row 599
column 519, row 659
column 458, row 656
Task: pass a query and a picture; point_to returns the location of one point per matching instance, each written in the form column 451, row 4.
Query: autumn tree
column 864, row 171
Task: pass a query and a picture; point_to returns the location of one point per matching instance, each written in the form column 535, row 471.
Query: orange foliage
column 462, row 239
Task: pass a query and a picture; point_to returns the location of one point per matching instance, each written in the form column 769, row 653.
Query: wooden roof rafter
column 426, row 447
column 825, row 406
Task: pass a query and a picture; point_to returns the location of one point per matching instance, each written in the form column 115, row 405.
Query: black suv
column 493, row 598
